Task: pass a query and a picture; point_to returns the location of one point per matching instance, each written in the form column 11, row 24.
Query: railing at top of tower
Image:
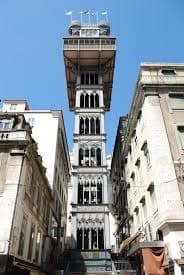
column 90, row 44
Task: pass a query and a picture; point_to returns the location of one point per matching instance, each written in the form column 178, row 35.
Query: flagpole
column 107, row 19
column 81, row 16
column 89, row 17
column 97, row 19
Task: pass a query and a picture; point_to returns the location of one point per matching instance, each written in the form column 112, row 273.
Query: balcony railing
column 89, row 44
column 13, row 135
column 89, row 47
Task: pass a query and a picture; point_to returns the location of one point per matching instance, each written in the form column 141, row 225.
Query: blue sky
column 31, row 63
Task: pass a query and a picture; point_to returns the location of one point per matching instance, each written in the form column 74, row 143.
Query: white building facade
column 49, row 133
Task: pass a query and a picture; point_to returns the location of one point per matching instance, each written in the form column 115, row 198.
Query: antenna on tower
column 69, row 13
column 86, row 12
column 95, row 14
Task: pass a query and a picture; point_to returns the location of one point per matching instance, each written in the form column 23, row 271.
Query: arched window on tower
column 93, row 157
column 92, row 79
column 79, row 238
column 80, row 193
column 82, row 101
column 81, row 156
column 82, row 79
column 81, row 126
column 97, row 126
column 92, row 101
column 98, row 156
column 86, row 193
column 86, row 101
column 92, row 126
column 100, row 239
column 86, row 161
column 99, row 192
column 96, row 79
column 87, row 126
column 96, row 100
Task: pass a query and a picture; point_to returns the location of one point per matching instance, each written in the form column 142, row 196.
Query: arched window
column 96, row 100
column 87, row 101
column 96, row 79
column 80, row 156
column 81, row 126
column 82, row 101
column 87, row 126
column 82, row 79
column 86, row 162
column 99, row 192
column 79, row 238
column 80, row 193
column 93, row 157
column 87, row 79
column 97, row 126
column 92, row 101
column 100, row 239
column 98, row 156
column 92, row 79
column 92, row 126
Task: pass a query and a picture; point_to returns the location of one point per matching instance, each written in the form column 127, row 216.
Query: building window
column 144, row 209
column 139, row 171
column 37, row 249
column 13, row 107
column 22, row 236
column 176, row 101
column 151, row 189
column 90, row 238
column 90, row 157
column 168, row 72
column 137, row 220
column 90, row 191
column 89, row 126
column 89, row 78
column 5, row 125
column 89, row 101
column 31, row 121
column 146, row 153
column 31, row 241
column 181, row 135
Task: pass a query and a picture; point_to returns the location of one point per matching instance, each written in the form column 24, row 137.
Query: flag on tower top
column 85, row 12
column 104, row 13
column 69, row 13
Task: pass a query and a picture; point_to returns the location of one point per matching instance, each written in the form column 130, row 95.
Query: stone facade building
column 153, row 167
column 117, row 179
column 25, row 201
column 48, row 131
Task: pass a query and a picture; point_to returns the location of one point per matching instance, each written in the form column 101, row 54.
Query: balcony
column 13, row 135
column 89, row 44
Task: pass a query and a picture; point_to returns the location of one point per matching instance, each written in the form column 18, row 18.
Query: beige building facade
column 153, row 164
column 25, row 201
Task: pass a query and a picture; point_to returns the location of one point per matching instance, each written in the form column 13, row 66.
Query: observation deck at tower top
column 89, row 47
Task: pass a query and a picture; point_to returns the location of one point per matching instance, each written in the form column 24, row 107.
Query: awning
column 128, row 241
column 155, row 261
